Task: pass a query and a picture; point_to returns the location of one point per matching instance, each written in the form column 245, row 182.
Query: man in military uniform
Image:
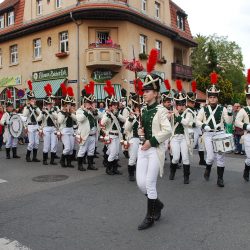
column 34, row 116
column 87, row 128
column 10, row 141
column 49, row 127
column 211, row 119
column 242, row 121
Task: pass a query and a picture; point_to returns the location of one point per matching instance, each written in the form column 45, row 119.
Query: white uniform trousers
column 198, row 139
column 166, row 143
column 113, row 148
column 133, row 150
column 220, row 158
column 10, row 141
column 178, row 145
column 33, row 136
column 68, row 140
column 247, row 148
column 49, row 140
column 147, row 170
column 88, row 146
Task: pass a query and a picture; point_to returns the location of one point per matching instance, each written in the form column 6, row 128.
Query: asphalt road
column 90, row 210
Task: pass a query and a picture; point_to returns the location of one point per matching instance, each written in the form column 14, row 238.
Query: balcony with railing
column 180, row 71
column 103, row 55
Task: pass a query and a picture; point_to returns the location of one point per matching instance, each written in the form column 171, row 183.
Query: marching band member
column 243, row 121
column 211, row 119
column 113, row 136
column 153, row 132
column 65, row 119
column 34, row 115
column 87, row 128
column 167, row 102
column 10, row 141
column 182, row 122
column 131, row 131
column 49, row 125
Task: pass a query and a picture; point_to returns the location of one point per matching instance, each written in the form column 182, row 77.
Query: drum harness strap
column 211, row 117
column 48, row 115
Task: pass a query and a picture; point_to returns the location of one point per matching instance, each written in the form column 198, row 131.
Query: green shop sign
column 102, row 75
column 51, row 74
column 10, row 81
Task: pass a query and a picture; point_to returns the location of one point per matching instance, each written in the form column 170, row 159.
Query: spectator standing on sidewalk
column 237, row 132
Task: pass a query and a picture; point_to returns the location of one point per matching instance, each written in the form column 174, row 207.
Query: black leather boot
column 62, row 161
column 52, row 159
column 186, row 171
column 246, row 173
column 96, row 153
column 74, row 156
column 149, row 219
column 158, row 207
column 28, row 156
column 172, row 171
column 131, row 172
column 202, row 160
column 109, row 168
column 34, row 159
column 69, row 160
column 45, row 158
column 207, row 172
column 14, row 151
column 80, row 164
column 84, row 159
column 220, row 172
column 115, row 168
column 7, row 153
column 90, row 163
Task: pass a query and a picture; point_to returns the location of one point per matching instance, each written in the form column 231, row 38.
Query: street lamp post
column 78, row 59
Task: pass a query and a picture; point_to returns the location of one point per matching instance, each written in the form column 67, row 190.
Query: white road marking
column 2, row 181
column 6, row 244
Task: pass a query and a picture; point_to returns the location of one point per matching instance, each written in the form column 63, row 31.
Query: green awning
column 38, row 88
column 100, row 94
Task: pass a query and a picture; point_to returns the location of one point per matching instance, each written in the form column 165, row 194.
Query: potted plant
column 143, row 56
column 62, row 54
column 162, row 60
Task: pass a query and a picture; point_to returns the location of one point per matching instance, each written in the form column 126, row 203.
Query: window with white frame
column 181, row 22
column 1, row 58
column 144, row 5
column 157, row 10
column 143, row 44
column 13, row 54
column 10, row 18
column 58, row 3
column 64, row 42
column 158, row 46
column 37, row 46
column 39, row 7
column 1, row 21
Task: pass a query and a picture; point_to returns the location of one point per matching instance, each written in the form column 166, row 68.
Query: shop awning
column 100, row 94
column 38, row 87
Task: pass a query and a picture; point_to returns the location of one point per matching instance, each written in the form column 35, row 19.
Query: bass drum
column 16, row 125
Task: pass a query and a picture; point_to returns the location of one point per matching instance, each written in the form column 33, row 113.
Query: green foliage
column 215, row 53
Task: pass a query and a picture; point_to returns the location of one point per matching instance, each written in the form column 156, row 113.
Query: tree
column 215, row 53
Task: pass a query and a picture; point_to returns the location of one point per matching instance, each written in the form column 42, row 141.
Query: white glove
column 248, row 127
column 207, row 128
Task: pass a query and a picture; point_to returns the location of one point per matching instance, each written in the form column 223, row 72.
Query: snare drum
column 223, row 143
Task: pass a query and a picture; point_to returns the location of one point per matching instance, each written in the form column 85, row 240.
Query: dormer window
column 181, row 21
column 1, row 21
column 10, row 18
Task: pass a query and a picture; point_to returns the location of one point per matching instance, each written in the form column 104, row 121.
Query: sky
column 221, row 17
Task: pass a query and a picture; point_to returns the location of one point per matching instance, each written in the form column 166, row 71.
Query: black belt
column 111, row 133
column 32, row 123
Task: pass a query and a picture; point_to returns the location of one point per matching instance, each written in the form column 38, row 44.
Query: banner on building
column 51, row 74
column 10, row 81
